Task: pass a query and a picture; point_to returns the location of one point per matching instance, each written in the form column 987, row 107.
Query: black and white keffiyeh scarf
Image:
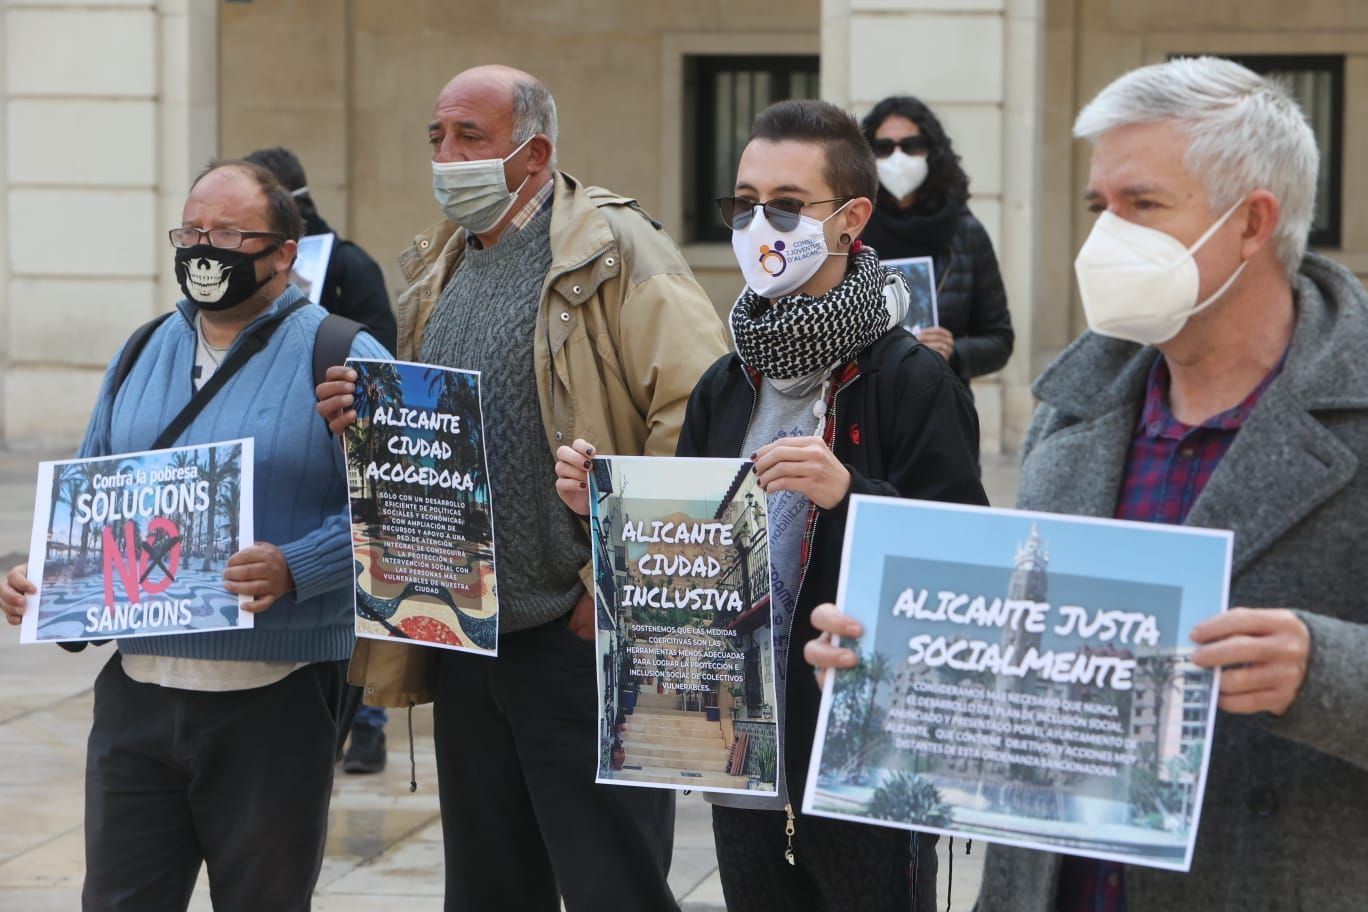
column 799, row 335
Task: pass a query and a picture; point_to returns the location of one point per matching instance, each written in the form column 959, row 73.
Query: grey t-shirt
column 779, row 415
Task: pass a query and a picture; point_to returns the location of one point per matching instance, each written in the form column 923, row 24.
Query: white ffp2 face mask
column 1140, row 284
column 475, row 194
column 901, row 174
column 775, row 263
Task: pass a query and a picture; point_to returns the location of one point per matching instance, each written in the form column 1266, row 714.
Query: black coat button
column 1263, row 801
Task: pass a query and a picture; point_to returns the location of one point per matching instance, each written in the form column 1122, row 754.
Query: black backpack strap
column 333, row 344
column 248, row 347
column 133, row 348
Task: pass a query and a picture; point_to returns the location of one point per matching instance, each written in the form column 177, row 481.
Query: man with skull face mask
column 585, row 321
column 218, row 748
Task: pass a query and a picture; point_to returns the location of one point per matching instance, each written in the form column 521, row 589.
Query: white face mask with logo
column 475, row 194
column 901, row 174
column 775, row 263
column 1140, row 284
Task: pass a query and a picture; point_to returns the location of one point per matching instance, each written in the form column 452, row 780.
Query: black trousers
column 522, row 819
column 237, row 780
column 839, row 866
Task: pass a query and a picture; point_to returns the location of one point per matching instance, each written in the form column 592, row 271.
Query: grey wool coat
column 1284, row 823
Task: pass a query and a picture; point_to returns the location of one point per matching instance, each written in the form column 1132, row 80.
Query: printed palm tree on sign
column 376, row 383
column 86, row 473
column 908, row 798
column 59, row 474
column 459, row 394
column 184, row 517
column 229, row 496
column 1157, row 672
column 216, row 472
column 855, row 732
column 72, row 488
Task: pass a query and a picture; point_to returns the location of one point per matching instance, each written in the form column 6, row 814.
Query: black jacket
column 970, row 297
column 355, row 287
column 902, row 425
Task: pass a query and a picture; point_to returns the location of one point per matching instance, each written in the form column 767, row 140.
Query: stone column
column 977, row 63
column 96, row 111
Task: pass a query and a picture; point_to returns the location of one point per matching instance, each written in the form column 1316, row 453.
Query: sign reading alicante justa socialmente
column 136, row 545
column 1025, row 678
column 421, row 509
column 683, row 625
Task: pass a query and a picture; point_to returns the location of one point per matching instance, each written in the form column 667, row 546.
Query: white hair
column 534, row 111
column 1246, row 133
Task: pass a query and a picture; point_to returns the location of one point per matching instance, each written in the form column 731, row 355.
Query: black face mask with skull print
column 217, row 279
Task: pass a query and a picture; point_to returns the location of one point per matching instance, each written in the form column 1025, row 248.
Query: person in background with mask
column 584, row 321
column 1224, row 383
column 922, row 210
column 820, row 353
column 353, row 287
column 219, row 748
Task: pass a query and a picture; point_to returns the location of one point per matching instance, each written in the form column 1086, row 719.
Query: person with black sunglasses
column 922, row 210
column 829, row 396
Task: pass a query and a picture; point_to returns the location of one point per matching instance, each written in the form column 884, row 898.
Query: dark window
column 725, row 94
column 1317, row 83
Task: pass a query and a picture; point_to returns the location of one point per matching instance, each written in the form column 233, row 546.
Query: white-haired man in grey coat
column 1223, row 383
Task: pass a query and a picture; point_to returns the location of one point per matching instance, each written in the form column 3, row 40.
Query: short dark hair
column 281, row 162
column 945, row 178
column 287, row 168
column 850, row 167
column 281, row 213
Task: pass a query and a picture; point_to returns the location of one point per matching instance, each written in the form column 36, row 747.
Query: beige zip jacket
column 623, row 334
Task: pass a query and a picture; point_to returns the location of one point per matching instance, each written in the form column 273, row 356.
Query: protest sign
column 421, row 508
column 686, row 653
column 920, row 273
column 136, row 545
column 310, row 268
column 1025, row 678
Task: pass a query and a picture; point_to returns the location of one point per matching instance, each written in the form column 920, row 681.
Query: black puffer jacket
column 354, row 286
column 970, row 296
column 902, row 425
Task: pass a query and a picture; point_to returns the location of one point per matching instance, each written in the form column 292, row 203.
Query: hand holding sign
column 1268, row 649
column 821, row 652
column 336, row 395
column 805, row 465
column 938, row 339
column 572, row 475
column 259, row 572
column 14, row 592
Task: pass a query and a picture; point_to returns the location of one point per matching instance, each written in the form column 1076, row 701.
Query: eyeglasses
column 783, row 213
column 223, row 238
column 911, row 145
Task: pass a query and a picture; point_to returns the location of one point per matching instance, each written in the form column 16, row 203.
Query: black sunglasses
column 911, row 145
column 783, row 213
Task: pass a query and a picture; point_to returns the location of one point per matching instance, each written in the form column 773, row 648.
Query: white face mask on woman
column 901, row 174
column 775, row 263
column 475, row 194
column 1140, row 284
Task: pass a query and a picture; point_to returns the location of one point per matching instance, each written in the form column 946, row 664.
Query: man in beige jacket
column 585, row 321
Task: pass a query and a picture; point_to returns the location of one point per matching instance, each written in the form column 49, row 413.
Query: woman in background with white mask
column 922, row 210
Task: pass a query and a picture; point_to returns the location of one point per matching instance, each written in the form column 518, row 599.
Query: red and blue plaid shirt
column 1168, row 466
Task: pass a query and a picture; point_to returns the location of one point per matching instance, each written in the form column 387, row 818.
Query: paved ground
column 384, row 844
